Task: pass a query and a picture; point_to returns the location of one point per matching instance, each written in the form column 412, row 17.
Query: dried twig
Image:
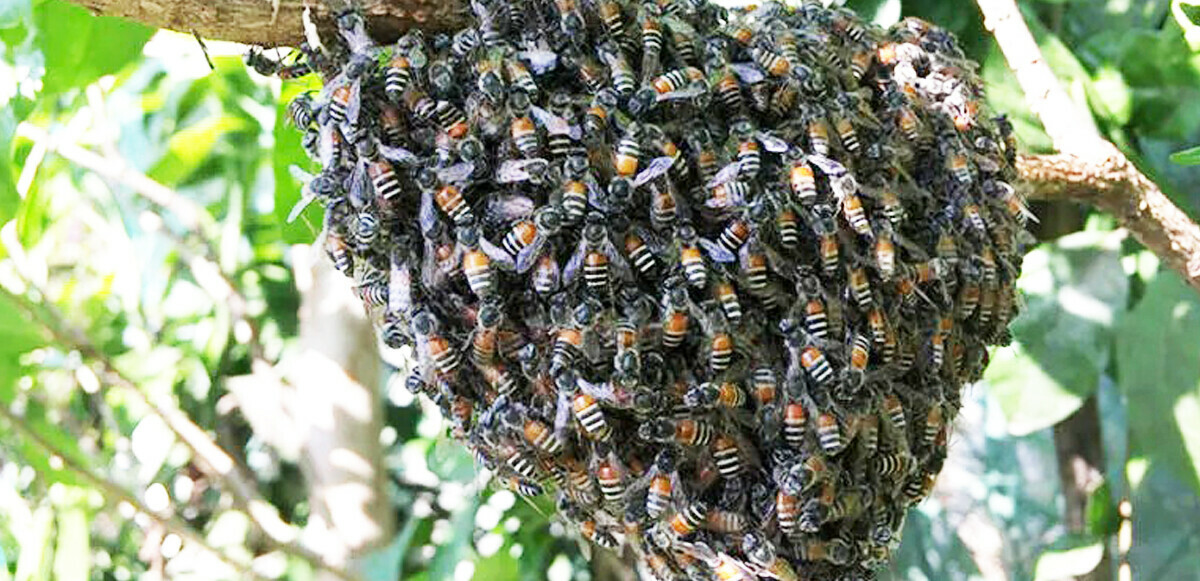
column 1089, row 168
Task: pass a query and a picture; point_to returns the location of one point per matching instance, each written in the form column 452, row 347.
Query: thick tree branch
column 1089, row 168
column 269, row 23
column 1115, row 186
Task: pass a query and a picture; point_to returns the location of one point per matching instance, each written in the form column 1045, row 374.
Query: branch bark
column 1089, row 168
column 1115, row 186
column 278, row 23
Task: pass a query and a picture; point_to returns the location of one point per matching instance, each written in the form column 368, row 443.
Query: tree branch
column 1115, row 186
column 1089, row 168
column 115, row 493
column 270, row 23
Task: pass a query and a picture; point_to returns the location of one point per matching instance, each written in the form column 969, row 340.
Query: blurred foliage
column 95, row 278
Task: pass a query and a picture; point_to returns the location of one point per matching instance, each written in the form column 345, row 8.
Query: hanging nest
column 713, row 279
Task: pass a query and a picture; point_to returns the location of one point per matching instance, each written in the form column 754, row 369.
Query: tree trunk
column 279, row 22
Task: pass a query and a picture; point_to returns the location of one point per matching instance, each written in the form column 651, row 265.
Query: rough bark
column 278, row 23
column 1115, row 185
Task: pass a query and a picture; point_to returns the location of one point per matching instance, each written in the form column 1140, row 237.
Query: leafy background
column 80, row 252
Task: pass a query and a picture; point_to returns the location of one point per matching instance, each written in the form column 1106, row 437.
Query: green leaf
column 881, row 12
column 1187, row 15
column 1187, row 157
column 1101, row 512
column 1079, row 559
column 192, row 147
column 80, row 48
column 9, row 199
column 1075, row 290
column 288, row 151
column 18, row 335
column 1158, row 358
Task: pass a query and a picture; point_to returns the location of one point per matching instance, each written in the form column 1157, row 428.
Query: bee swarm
column 714, row 279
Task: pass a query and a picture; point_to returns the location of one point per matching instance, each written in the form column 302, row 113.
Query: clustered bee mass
column 713, row 279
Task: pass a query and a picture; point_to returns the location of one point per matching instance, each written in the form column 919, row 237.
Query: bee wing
column 617, row 261
column 528, row 256
column 498, row 255
column 399, row 155
column 689, row 92
column 457, row 173
column 360, row 187
column 553, row 123
column 562, row 414
column 657, row 167
column 426, row 214
column 716, row 251
column 432, row 272
column 325, row 148
column 748, row 73
column 601, row 391
column 843, row 185
column 354, row 106
column 517, row 170
column 300, row 175
column 726, row 174
column 827, row 165
column 573, row 264
column 596, row 196
column 306, row 197
column 399, row 287
column 509, row 207
column 772, row 143
column 540, row 61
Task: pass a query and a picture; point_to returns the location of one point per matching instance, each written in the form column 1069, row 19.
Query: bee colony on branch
column 713, row 279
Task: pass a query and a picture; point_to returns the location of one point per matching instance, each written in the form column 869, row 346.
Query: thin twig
column 191, row 216
column 1089, row 168
column 115, row 493
column 213, row 460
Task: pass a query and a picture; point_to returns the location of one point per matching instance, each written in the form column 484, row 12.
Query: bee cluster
column 715, row 279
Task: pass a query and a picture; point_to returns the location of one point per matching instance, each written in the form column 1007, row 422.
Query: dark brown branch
column 1116, row 186
column 258, row 21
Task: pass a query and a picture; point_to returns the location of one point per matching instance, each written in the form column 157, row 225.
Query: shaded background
column 183, row 299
